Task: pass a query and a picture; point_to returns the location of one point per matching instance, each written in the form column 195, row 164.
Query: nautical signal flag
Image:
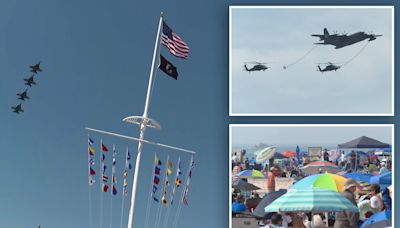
column 156, row 180
column 104, row 148
column 91, row 151
column 105, row 178
column 105, row 187
column 114, row 190
column 128, row 159
column 91, row 181
column 169, row 168
column 168, row 68
column 173, row 42
column 92, row 171
column 157, row 170
column 178, row 182
column 157, row 161
column 164, row 200
column 90, row 141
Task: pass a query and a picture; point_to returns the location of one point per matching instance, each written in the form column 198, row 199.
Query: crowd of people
column 369, row 203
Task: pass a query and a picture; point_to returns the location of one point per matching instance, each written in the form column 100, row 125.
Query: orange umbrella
column 289, row 154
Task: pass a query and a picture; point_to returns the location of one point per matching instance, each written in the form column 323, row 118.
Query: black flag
column 168, row 68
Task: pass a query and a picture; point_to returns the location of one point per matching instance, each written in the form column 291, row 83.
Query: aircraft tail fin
column 319, row 68
column 245, row 67
column 326, row 33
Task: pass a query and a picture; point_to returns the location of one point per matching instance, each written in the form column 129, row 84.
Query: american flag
column 174, row 43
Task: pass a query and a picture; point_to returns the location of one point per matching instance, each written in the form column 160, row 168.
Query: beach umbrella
column 326, row 181
column 289, row 154
column 311, row 200
column 265, row 154
column 384, row 180
column 378, row 220
column 364, row 177
column 243, row 185
column 250, row 173
column 279, row 156
column 267, row 200
column 320, row 166
column 298, row 153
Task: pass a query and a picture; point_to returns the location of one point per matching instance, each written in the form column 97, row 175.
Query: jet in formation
column 35, row 68
column 30, row 81
column 23, row 96
column 343, row 40
column 17, row 109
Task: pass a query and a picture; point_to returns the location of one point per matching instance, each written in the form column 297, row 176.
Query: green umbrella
column 311, row 200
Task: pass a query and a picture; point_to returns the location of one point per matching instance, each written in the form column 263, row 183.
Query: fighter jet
column 329, row 67
column 30, row 81
column 343, row 40
column 35, row 68
column 23, row 95
column 17, row 109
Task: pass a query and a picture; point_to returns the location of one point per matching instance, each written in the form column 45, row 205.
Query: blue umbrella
column 298, row 153
column 384, row 180
column 378, row 220
column 364, row 177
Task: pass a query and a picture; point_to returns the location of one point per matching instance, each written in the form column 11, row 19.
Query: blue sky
column 281, row 36
column 96, row 58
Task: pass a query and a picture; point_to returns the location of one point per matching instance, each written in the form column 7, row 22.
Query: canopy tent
column 363, row 142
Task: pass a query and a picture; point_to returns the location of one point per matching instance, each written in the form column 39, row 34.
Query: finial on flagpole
column 162, row 13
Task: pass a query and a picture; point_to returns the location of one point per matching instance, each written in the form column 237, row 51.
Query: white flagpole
column 143, row 126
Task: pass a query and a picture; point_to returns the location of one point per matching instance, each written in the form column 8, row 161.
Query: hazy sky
column 307, row 135
column 281, row 36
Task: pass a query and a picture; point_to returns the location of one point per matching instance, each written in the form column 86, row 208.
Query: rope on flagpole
column 89, row 186
column 112, row 186
column 148, row 206
column 101, row 183
column 159, row 211
column 124, row 188
column 172, row 192
column 178, row 210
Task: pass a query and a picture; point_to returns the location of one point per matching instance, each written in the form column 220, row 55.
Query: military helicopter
column 257, row 66
column 329, row 67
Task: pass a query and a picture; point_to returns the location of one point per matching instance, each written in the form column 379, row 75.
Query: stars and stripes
column 173, row 42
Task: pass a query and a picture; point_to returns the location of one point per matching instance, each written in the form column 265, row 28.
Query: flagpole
column 101, row 183
column 143, row 126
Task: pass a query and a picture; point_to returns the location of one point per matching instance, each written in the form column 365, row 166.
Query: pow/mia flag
column 168, row 68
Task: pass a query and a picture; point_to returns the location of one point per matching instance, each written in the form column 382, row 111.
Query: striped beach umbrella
column 250, row 173
column 326, row 181
column 265, row 154
column 311, row 200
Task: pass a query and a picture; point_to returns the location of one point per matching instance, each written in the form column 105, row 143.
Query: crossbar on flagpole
column 139, row 140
